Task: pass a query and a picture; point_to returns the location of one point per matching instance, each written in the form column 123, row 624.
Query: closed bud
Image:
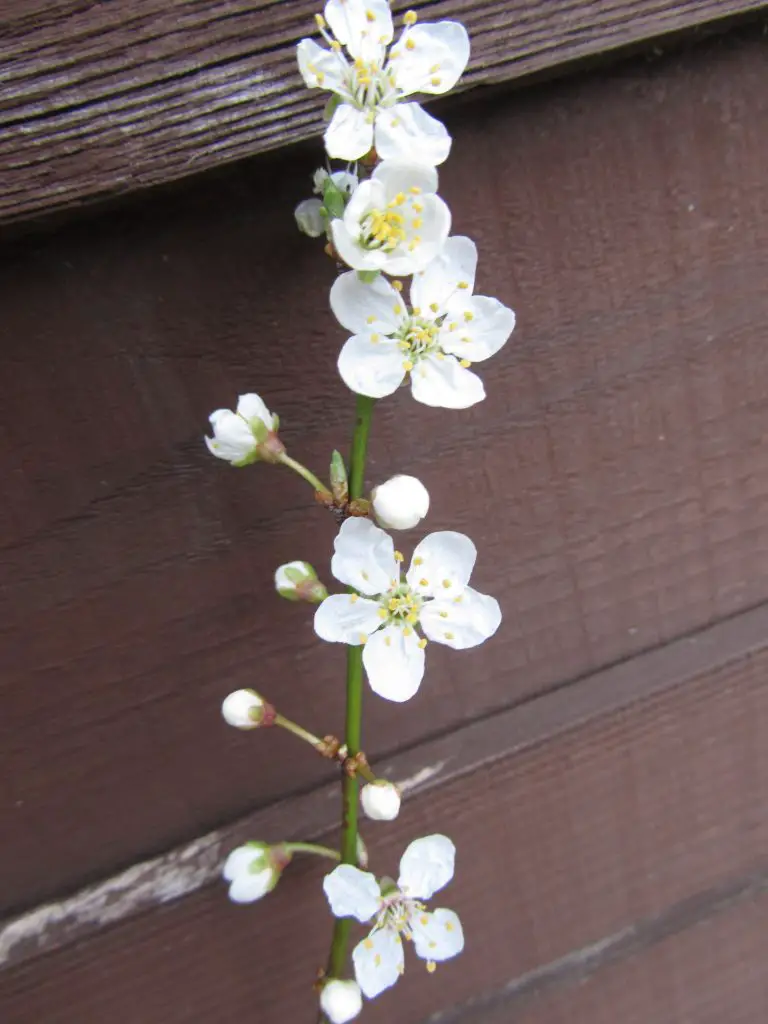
column 400, row 503
column 339, row 481
column 309, row 218
column 297, row 581
column 253, row 870
column 249, row 434
column 246, row 709
column 381, row 800
column 341, row 1001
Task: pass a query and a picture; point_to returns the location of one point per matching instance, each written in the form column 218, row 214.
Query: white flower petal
column 437, row 936
column 394, row 663
column 371, row 367
column 365, row 307
column 349, row 135
column 445, row 384
column 240, row 860
column 346, row 619
column 422, row 244
column 364, row 557
column 484, row 325
column 247, row 887
column 352, row 892
column 442, row 564
column 426, row 866
column 430, row 57
column 466, row 621
column 232, row 438
column 450, row 274
column 378, row 961
column 364, row 27
column 403, row 176
column 320, row 68
column 405, row 129
column 251, row 407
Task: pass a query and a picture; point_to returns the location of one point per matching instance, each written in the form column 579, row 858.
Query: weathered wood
column 98, row 99
column 435, row 762
column 650, row 818
column 621, row 503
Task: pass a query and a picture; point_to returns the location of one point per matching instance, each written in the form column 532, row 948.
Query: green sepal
column 297, row 576
column 367, row 276
column 259, row 429
column 248, row 460
column 339, row 479
column 334, row 200
column 330, row 107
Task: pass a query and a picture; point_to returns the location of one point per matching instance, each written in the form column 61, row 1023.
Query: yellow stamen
column 409, row 44
column 397, row 285
column 407, row 365
column 417, row 310
column 352, row 598
column 435, row 68
column 424, row 920
column 383, row 613
column 431, row 966
column 418, row 561
column 423, row 582
column 410, row 17
column 397, row 309
column 412, row 617
column 469, row 316
column 415, row 189
column 398, row 556
column 367, row 943
column 363, row 637
column 422, row 643
column 387, row 641
column 417, row 222
column 336, row 46
column 449, row 636
column 449, row 926
column 320, row 21
column 320, row 77
column 446, row 583
column 434, row 307
column 407, row 631
column 465, row 363
column 443, row 615
column 435, row 81
column 370, row 16
column 463, row 284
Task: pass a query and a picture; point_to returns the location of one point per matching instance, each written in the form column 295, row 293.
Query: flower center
column 370, row 86
column 401, row 606
column 383, row 229
column 397, row 912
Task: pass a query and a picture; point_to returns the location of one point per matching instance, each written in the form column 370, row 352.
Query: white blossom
column 394, row 221
column 239, row 437
column 297, row 581
column 341, row 1001
column 311, row 214
column 381, row 800
column 433, row 596
column 401, row 502
column 243, row 709
column 253, row 871
column 435, row 341
column 426, row 866
column 372, row 85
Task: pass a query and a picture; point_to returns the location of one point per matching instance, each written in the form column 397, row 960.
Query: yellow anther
column 424, row 920
column 398, row 556
column 449, row 926
column 458, row 600
column 409, row 44
column 417, row 310
column 415, row 189
column 336, row 45
column 367, row 943
column 422, row 643
column 371, row 320
column 320, row 21
column 463, row 284
column 404, row 346
column 465, row 363
column 418, row 561
column 377, row 960
column 407, row 365
column 452, row 325
column 396, row 218
column 434, row 307
column 434, row 69
column 412, row 617
column 397, row 309
column 435, row 80
column 397, row 285
column 320, row 77
column 423, row 582
column 465, row 338
column 415, row 242
column 387, row 641
column 431, row 965
column 383, row 613
column 410, row 17
column 393, row 604
column 375, row 338
column 440, row 355
column 398, row 200
column 417, row 207
column 370, row 16
column 446, row 584
column 363, row 637
column 443, row 615
column 468, row 316
column 449, row 636
column 395, row 122
column 352, row 598
column 417, row 222
column 407, row 631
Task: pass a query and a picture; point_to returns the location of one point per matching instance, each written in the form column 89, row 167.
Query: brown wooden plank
column 621, row 503
column 98, row 99
column 651, row 817
column 462, row 751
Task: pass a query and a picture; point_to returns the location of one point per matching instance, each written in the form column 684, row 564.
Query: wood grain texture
column 621, row 503
column 417, row 770
column 651, row 817
column 99, row 99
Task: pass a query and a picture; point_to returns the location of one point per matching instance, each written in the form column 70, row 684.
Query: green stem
column 293, row 727
column 353, row 722
column 310, row 477
column 319, row 851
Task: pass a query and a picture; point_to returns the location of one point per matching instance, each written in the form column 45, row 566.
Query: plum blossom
column 381, row 800
column 398, row 910
column 246, row 709
column 370, row 88
column 254, row 870
column 246, row 435
column 394, row 221
column 401, row 502
column 435, row 342
column 341, row 1001
column 385, row 614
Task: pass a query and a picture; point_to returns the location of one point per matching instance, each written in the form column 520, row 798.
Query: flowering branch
column 383, row 219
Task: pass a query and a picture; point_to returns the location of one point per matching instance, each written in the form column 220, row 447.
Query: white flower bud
column 381, row 800
column 297, row 581
column 245, row 435
column 254, row 870
column 341, row 1001
column 401, row 502
column 309, row 219
column 245, row 709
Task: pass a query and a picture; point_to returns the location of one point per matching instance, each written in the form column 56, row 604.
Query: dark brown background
column 615, row 482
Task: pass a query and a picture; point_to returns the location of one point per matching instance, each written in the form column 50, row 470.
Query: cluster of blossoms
column 382, row 219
